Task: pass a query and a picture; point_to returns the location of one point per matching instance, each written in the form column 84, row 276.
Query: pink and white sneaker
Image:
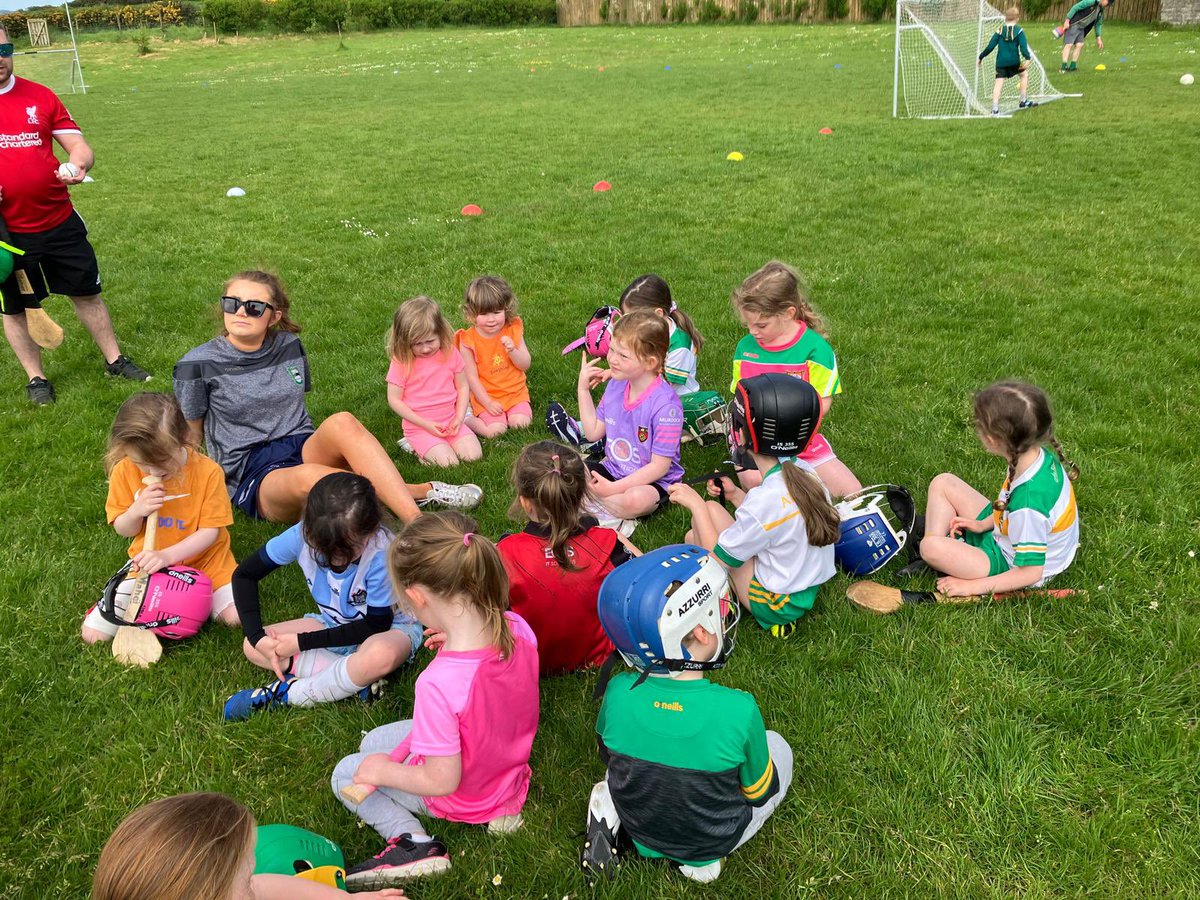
column 401, row 859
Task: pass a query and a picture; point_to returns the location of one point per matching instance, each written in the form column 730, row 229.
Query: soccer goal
column 937, row 44
column 51, row 56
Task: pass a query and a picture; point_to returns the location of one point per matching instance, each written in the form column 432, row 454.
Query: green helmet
column 288, row 850
column 704, row 417
column 8, row 261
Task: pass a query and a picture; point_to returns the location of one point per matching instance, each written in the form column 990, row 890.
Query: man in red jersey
column 37, row 209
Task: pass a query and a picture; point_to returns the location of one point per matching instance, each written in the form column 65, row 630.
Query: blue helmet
column 650, row 604
column 871, row 535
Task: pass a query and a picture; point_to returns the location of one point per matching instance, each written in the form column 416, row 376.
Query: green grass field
column 1029, row 748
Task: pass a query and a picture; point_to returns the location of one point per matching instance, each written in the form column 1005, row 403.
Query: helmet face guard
column 774, row 415
column 597, row 333
column 705, row 417
column 650, row 605
column 876, row 523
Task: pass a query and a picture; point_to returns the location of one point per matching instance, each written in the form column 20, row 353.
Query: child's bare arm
column 518, row 353
column 189, row 548
column 590, row 375
column 478, row 391
column 436, row 777
column 395, row 396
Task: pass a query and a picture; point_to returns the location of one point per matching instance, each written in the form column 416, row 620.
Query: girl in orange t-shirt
column 496, row 358
column 150, row 437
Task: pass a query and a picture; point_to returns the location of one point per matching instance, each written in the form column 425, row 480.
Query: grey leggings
column 389, row 811
column 781, row 756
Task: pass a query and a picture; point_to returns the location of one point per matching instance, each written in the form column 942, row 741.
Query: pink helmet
column 178, row 601
column 597, row 333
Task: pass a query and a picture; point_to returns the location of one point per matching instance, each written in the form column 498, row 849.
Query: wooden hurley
column 139, row 646
column 357, row 793
column 46, row 333
column 881, row 599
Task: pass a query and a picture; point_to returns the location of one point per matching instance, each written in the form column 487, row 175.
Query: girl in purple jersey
column 639, row 417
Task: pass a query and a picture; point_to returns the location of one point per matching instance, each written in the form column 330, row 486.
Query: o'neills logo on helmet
column 186, row 577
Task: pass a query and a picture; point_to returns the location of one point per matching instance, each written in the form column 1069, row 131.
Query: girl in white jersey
column 1031, row 531
column 778, row 544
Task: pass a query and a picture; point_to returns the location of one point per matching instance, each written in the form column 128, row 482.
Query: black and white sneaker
column 560, row 424
column 40, row 392
column 401, row 859
column 124, row 367
column 600, row 856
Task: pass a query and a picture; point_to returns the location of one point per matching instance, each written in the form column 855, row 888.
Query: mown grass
column 1028, row 748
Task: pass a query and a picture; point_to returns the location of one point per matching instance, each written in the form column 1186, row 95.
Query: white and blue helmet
column 650, row 604
column 876, row 523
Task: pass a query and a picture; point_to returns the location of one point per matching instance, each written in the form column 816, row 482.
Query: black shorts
column 58, row 261
column 597, row 466
column 281, row 453
column 1007, row 71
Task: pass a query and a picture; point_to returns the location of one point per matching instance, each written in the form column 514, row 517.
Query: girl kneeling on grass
column 1031, row 532
column 196, row 847
column 556, row 564
column 357, row 636
column 464, row 755
column 778, row 545
column 427, row 386
column 494, row 351
column 639, row 417
column 150, row 437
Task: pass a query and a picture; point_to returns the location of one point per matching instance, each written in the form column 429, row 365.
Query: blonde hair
column 554, row 479
column 416, row 320
column 489, row 294
column 821, row 519
column 279, row 297
column 772, row 290
column 1017, row 416
column 1012, row 14
column 186, row 847
column 441, row 552
column 151, row 427
column 645, row 334
column 651, row 292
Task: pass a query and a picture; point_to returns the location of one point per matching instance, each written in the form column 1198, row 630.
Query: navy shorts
column 1007, row 72
column 598, row 467
column 281, row 453
column 58, row 261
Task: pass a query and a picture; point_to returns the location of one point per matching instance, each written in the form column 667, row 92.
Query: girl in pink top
column 427, row 385
column 464, row 755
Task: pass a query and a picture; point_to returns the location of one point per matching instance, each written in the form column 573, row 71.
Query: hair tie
column 673, row 306
column 467, row 539
column 554, row 459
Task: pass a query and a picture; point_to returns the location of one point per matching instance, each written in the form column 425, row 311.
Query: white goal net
column 937, row 44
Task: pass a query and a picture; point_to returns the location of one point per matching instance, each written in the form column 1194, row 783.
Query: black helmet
column 772, row 414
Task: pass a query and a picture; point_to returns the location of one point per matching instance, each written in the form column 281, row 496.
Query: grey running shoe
column 458, row 496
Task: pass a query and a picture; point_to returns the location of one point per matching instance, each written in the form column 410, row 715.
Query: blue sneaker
column 244, row 704
column 562, row 425
column 372, row 691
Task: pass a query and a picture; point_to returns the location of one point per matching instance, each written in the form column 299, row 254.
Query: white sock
column 332, row 684
column 420, row 837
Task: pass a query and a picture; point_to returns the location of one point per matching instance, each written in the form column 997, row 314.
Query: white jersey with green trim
column 768, row 529
column 1040, row 527
column 680, row 368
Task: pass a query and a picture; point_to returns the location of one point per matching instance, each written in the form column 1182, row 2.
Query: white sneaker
column 505, row 824
column 404, row 445
column 605, row 519
column 459, row 496
column 703, row 874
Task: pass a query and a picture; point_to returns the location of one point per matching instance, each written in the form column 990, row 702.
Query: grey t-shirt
column 245, row 399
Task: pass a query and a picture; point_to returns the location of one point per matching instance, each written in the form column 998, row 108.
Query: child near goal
column 1012, row 59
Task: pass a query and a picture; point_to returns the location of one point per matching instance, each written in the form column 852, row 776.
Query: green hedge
column 326, row 15
column 111, row 15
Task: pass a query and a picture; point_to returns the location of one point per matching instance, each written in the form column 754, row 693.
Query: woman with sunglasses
column 243, row 391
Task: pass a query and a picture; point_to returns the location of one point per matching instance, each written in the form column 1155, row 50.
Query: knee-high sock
column 326, row 686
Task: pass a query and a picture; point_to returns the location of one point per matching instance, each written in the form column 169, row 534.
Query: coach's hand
column 80, row 174
column 1099, row 42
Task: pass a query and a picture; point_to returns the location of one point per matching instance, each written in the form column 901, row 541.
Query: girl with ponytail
column 556, row 564
column 651, row 293
column 1030, row 532
column 464, row 755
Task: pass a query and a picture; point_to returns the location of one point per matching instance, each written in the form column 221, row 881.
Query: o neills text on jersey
column 675, row 706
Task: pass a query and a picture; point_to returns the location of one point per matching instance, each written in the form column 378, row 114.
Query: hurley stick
column 45, row 332
column 139, row 646
column 878, row 598
column 357, row 793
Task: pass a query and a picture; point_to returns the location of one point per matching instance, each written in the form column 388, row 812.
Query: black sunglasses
column 254, row 308
column 6, row 50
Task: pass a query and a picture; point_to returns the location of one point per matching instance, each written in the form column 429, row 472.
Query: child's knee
column 441, row 455
column 941, row 481
column 470, row 452
column 229, row 616
column 520, row 421
column 494, row 430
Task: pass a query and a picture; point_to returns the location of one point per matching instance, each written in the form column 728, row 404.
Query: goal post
column 935, row 74
column 57, row 67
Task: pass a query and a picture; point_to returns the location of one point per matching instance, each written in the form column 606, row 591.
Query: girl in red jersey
column 556, row 564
